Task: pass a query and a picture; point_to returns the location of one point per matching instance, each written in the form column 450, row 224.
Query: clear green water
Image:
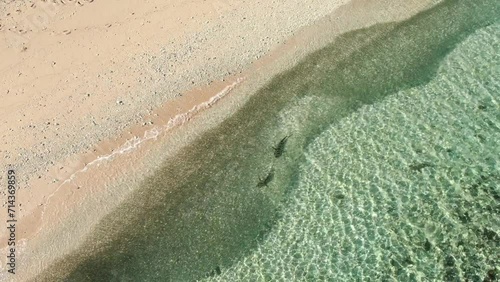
column 393, row 143
column 363, row 209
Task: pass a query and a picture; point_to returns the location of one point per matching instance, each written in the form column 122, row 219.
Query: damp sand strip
column 203, row 211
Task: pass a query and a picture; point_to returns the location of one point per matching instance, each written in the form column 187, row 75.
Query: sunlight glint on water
column 406, row 189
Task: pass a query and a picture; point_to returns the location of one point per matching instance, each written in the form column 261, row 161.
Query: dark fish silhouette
column 418, row 167
column 214, row 272
column 280, row 148
column 491, row 275
column 266, row 180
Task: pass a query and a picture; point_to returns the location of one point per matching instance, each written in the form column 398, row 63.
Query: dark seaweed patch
column 408, row 261
column 491, row 235
column 339, row 196
column 200, row 184
column 464, row 218
column 492, row 274
column 451, row 272
column 481, row 138
column 449, row 261
column 472, row 278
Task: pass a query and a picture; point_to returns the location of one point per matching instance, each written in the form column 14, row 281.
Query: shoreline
column 224, row 107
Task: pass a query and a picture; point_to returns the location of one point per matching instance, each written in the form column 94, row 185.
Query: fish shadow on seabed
column 279, row 149
column 266, row 180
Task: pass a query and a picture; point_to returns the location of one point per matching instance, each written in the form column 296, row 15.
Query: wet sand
column 65, row 197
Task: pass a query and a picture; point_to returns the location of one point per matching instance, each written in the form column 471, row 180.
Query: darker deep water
column 203, row 211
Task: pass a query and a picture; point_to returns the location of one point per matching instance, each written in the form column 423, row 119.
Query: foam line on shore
column 134, row 143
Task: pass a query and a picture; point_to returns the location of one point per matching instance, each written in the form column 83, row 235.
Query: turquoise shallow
column 390, row 173
column 406, row 189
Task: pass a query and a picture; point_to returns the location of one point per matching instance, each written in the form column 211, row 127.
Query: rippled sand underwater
column 390, row 172
column 406, row 189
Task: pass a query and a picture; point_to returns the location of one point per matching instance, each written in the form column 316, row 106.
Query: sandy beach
column 97, row 94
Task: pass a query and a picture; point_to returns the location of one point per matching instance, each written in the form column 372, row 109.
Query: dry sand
column 93, row 92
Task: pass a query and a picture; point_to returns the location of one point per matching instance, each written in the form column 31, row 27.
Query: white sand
column 79, row 79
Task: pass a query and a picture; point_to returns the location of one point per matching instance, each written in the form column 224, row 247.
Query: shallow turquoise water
column 390, row 171
column 406, row 189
